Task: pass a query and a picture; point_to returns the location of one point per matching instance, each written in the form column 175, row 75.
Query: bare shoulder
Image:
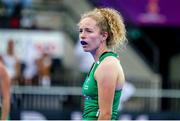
column 110, row 62
column 108, row 67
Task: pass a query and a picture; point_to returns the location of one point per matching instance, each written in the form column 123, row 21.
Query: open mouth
column 83, row 43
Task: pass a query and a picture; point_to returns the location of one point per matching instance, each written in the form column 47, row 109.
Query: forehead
column 87, row 22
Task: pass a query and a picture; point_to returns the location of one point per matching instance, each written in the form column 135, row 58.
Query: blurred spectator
column 152, row 14
column 13, row 10
column 11, row 5
column 30, row 70
column 44, row 67
column 29, row 22
column 12, row 62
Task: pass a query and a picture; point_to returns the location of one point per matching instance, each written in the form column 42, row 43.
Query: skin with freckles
column 90, row 34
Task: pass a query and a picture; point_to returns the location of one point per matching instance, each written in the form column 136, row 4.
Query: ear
column 105, row 35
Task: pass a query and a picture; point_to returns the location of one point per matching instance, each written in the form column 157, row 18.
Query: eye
column 80, row 30
column 88, row 30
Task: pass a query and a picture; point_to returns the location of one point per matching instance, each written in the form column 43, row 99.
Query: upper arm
column 106, row 76
column 5, row 82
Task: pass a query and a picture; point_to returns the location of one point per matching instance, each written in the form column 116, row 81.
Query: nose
column 82, row 36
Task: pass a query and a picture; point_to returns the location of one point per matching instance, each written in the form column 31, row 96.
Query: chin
column 86, row 50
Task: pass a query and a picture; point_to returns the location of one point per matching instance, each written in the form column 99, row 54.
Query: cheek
column 95, row 39
column 94, row 43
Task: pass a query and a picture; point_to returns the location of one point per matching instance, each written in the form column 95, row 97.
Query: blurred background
column 40, row 47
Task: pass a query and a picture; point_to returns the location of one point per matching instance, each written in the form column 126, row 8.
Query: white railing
column 59, row 90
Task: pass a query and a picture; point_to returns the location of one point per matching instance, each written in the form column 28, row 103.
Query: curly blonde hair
column 109, row 20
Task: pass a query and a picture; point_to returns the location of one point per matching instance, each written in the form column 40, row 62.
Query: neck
column 98, row 52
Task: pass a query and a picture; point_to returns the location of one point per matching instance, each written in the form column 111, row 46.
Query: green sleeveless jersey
column 90, row 92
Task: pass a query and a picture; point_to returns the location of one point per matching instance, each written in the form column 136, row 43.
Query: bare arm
column 5, row 89
column 106, row 76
